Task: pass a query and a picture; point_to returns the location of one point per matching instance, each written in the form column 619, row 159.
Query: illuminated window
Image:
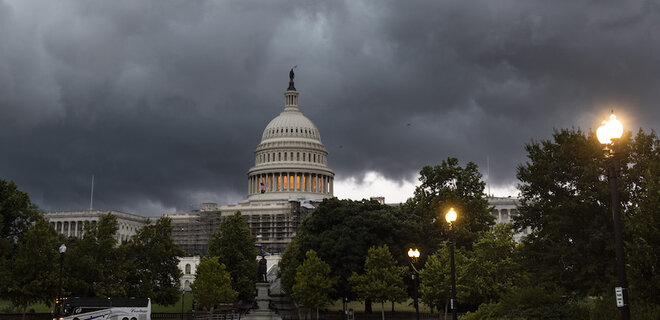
column 297, row 182
column 291, row 181
column 285, row 182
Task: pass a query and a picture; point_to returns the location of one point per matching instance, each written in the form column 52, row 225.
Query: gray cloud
column 165, row 101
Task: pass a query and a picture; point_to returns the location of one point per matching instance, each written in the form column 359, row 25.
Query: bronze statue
column 261, row 268
column 291, row 76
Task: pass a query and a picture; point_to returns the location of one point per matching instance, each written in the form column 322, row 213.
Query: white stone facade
column 505, row 208
column 188, row 267
column 71, row 223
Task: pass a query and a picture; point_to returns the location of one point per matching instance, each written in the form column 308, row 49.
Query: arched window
column 187, row 268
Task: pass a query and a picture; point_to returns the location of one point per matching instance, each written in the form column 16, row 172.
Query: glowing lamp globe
column 610, row 129
column 451, row 215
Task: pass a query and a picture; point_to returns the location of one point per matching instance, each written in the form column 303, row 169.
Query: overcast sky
column 164, row 101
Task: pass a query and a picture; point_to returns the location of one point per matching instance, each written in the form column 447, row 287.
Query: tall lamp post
column 451, row 217
column 59, row 298
column 414, row 255
column 608, row 134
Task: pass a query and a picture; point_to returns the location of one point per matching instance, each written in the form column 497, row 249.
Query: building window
column 187, row 268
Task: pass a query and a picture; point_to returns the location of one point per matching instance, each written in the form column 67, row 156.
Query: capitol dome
column 291, row 161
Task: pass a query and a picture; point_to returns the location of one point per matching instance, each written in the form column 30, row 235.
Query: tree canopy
column 382, row 279
column 442, row 187
column 341, row 232
column 212, row 285
column 565, row 200
column 94, row 265
column 152, row 261
column 35, row 267
column 313, row 282
column 233, row 244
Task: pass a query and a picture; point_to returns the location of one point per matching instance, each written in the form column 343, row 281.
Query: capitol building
column 289, row 178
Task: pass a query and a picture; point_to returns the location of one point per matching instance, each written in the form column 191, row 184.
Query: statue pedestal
column 263, row 301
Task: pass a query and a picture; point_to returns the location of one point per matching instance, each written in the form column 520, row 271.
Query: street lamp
column 451, row 217
column 414, row 255
column 608, row 134
column 62, row 251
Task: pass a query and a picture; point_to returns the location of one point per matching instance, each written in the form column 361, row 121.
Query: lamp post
column 608, row 134
column 451, row 217
column 414, row 255
column 59, row 298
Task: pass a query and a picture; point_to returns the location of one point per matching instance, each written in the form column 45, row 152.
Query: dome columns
column 290, row 181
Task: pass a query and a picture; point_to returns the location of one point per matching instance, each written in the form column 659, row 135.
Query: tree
column 95, row 263
column 565, row 200
column 435, row 278
column 234, row 246
column 482, row 274
column 382, row 279
column 491, row 268
column 643, row 182
column 152, row 259
column 313, row 283
column 445, row 186
column 35, row 267
column 341, row 231
column 212, row 285
column 17, row 212
column 288, row 265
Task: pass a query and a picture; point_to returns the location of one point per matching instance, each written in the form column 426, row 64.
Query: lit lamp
column 451, row 217
column 414, row 255
column 608, row 134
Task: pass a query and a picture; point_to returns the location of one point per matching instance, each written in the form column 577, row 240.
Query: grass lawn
column 358, row 306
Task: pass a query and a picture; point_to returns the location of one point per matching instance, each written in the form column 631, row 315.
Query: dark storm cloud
column 165, row 101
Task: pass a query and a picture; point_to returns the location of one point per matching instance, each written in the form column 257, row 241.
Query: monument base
column 263, row 301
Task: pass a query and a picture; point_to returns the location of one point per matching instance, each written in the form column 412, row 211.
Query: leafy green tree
column 643, row 182
column 341, row 231
column 212, row 285
column 565, row 200
column 234, row 246
column 435, row 278
column 445, row 186
column 17, row 212
column 382, row 279
column 152, row 259
column 313, row 283
column 483, row 274
column 95, row 263
column 288, row 265
column 491, row 268
column 35, row 267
